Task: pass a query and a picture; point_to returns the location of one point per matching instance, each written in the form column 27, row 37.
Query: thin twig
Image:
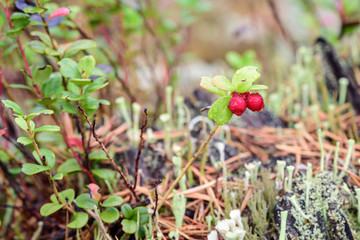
column 188, row 165
column 103, row 148
column 141, row 143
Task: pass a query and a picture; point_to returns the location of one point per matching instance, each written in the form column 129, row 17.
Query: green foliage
column 80, row 219
column 242, row 81
column 133, row 217
column 86, row 202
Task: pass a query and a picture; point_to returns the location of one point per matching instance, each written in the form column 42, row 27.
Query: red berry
column 243, row 95
column 237, row 105
column 255, row 102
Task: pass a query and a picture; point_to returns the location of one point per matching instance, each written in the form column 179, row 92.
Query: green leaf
column 24, row 140
column 68, row 107
column 22, row 86
column 97, row 84
column 47, row 128
column 234, row 59
column 34, row 10
column 206, row 83
column 129, row 226
column 112, row 201
column 143, row 214
column 80, row 82
column 69, row 166
column 87, row 65
column 18, row 17
column 127, row 210
column 50, row 208
column 80, row 220
column 219, row 111
column 222, row 83
column 37, row 46
column 244, row 77
column 97, row 155
column 21, row 123
column 42, row 74
column 86, row 202
column 49, row 157
column 58, row 176
column 35, row 114
column 67, row 195
column 31, row 168
column 13, row 106
column 69, row 68
column 43, row 37
column 79, row 45
column 52, row 52
column 258, row 87
column 104, row 173
column 110, row 215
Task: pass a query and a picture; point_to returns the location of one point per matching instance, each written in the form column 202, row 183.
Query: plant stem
column 188, row 165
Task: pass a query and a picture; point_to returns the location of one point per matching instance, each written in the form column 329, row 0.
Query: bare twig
column 188, row 165
column 141, row 143
column 92, row 126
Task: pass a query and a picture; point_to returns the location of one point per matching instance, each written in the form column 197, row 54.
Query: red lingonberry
column 237, row 105
column 255, row 102
column 243, row 95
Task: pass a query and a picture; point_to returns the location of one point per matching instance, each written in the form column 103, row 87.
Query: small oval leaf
column 112, row 201
column 110, row 215
column 80, row 219
column 50, row 208
column 219, row 111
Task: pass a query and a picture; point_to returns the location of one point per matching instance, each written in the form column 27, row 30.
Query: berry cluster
column 240, row 101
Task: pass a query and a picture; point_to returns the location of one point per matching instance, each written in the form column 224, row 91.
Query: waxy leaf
column 206, row 82
column 67, row 195
column 244, row 77
column 49, row 157
column 129, row 226
column 79, row 45
column 104, row 173
column 35, row 114
column 34, row 10
column 219, row 111
column 143, row 214
column 127, row 210
column 86, row 202
column 43, row 37
column 222, row 83
column 110, row 215
column 112, row 201
column 13, row 106
column 42, row 74
column 50, row 208
column 24, row 140
column 69, row 166
column 58, row 176
column 47, row 128
column 31, row 168
column 87, row 66
column 80, row 82
column 37, row 46
column 80, row 219
column 69, row 68
column 63, row 11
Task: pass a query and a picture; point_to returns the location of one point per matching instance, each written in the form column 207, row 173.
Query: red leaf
column 63, row 11
column 93, row 190
column 2, row 132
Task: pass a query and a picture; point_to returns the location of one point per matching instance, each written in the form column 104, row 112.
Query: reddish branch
column 141, row 143
column 103, row 148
